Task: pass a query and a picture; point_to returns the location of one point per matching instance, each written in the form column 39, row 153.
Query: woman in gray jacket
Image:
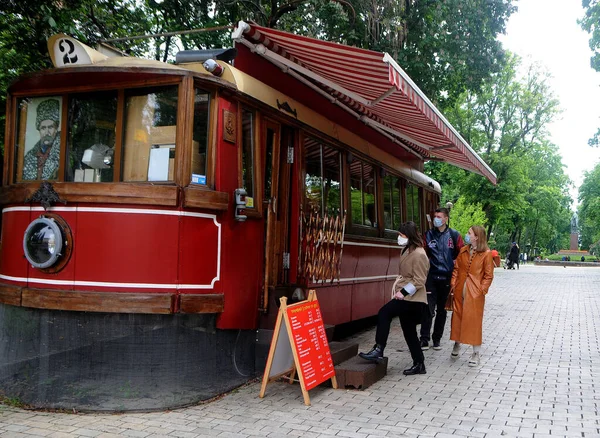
column 409, row 299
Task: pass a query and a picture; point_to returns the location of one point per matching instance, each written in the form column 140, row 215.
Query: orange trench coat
column 474, row 276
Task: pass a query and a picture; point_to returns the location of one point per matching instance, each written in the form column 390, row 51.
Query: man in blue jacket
column 442, row 245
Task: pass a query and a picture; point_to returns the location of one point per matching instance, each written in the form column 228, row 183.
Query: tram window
column 37, row 145
column 322, row 184
column 392, row 202
column 362, row 194
column 248, row 118
column 200, row 136
column 413, row 204
column 149, row 137
column 91, row 137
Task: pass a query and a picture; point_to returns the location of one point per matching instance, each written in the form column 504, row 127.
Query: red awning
column 371, row 85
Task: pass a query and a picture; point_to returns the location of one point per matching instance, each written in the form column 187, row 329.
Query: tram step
column 359, row 373
column 342, row 351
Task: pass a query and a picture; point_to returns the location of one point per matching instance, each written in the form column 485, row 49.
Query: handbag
column 449, row 306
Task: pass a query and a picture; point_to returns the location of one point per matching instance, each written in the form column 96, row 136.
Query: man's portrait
column 42, row 159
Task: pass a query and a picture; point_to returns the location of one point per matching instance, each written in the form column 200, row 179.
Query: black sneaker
column 436, row 345
column 424, row 345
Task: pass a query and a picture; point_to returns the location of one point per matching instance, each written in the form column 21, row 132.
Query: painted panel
column 367, row 299
column 336, row 303
column 122, row 247
column 12, row 260
column 199, row 252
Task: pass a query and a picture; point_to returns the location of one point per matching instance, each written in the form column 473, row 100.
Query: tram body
column 180, row 199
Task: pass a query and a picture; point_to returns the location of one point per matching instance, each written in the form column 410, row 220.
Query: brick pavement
column 536, row 379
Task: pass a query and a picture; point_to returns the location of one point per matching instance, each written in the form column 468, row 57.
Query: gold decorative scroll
column 322, row 246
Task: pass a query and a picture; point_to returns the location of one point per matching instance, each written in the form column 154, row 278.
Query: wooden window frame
column 256, row 211
column 357, row 229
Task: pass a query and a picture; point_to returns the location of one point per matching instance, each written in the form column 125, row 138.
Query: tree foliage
column 589, row 209
column 591, row 24
column 506, row 123
column 465, row 215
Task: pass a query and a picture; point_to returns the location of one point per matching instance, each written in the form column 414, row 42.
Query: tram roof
column 373, row 87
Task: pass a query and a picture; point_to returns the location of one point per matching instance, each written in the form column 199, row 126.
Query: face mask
column 437, row 222
column 468, row 239
column 402, row 241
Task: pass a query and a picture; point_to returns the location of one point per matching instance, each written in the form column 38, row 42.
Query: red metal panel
column 198, row 253
column 336, row 303
column 124, row 247
column 12, row 259
column 367, row 299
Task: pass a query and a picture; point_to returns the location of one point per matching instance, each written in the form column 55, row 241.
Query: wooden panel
column 117, row 193
column 110, row 302
column 208, row 199
column 205, row 303
column 10, row 295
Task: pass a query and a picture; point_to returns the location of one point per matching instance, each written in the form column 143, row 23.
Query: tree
column 589, row 208
column 591, row 24
column 464, row 215
column 506, row 123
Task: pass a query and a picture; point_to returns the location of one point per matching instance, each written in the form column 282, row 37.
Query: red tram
column 153, row 213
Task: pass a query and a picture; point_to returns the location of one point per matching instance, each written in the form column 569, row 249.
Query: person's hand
column 398, row 296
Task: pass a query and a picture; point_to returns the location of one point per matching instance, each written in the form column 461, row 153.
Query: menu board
column 310, row 342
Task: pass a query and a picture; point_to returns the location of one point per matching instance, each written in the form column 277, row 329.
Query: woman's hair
column 482, row 244
column 410, row 230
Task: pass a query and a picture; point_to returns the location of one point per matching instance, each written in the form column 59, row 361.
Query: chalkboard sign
column 299, row 345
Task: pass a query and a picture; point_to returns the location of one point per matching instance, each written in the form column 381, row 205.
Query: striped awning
column 371, row 85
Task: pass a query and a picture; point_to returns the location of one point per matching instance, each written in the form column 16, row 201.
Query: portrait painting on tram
column 38, row 138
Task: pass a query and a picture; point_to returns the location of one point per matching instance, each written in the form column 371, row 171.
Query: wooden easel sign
column 299, row 345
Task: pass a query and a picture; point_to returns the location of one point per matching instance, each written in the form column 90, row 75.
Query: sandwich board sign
column 299, row 345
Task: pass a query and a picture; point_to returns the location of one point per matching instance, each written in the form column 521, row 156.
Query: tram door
column 276, row 149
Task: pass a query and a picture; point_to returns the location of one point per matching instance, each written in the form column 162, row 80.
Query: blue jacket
column 442, row 248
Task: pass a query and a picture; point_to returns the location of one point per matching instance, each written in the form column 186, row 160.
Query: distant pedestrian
column 442, row 244
column 513, row 256
column 583, row 258
column 408, row 301
column 471, row 280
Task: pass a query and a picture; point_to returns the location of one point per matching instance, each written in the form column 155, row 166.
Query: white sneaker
column 456, row 350
column 474, row 360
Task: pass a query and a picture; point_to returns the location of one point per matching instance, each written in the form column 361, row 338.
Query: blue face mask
column 468, row 239
column 437, row 222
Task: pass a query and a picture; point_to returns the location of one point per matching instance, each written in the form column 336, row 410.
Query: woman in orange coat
column 472, row 276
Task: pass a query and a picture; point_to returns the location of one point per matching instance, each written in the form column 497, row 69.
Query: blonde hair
column 482, row 244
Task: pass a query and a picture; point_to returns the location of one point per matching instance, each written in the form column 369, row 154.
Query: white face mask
column 402, row 241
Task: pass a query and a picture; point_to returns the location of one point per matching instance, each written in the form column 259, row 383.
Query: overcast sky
column 546, row 31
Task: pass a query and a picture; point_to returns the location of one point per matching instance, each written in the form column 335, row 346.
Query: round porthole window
column 43, row 242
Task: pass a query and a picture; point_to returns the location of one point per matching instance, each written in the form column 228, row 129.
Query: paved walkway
column 537, row 379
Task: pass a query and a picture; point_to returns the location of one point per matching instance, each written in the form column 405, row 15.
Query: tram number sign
column 299, row 345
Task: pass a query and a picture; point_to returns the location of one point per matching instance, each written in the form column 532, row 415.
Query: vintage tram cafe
column 153, row 214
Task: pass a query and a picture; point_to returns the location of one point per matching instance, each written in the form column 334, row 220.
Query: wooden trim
column 185, row 122
column 64, row 127
column 10, row 295
column 203, row 198
column 201, row 303
column 111, row 302
column 8, row 133
column 131, row 83
column 183, row 137
column 120, row 129
column 213, row 136
column 117, row 193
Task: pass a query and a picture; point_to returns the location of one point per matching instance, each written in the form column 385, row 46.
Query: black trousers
column 437, row 300
column 410, row 316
